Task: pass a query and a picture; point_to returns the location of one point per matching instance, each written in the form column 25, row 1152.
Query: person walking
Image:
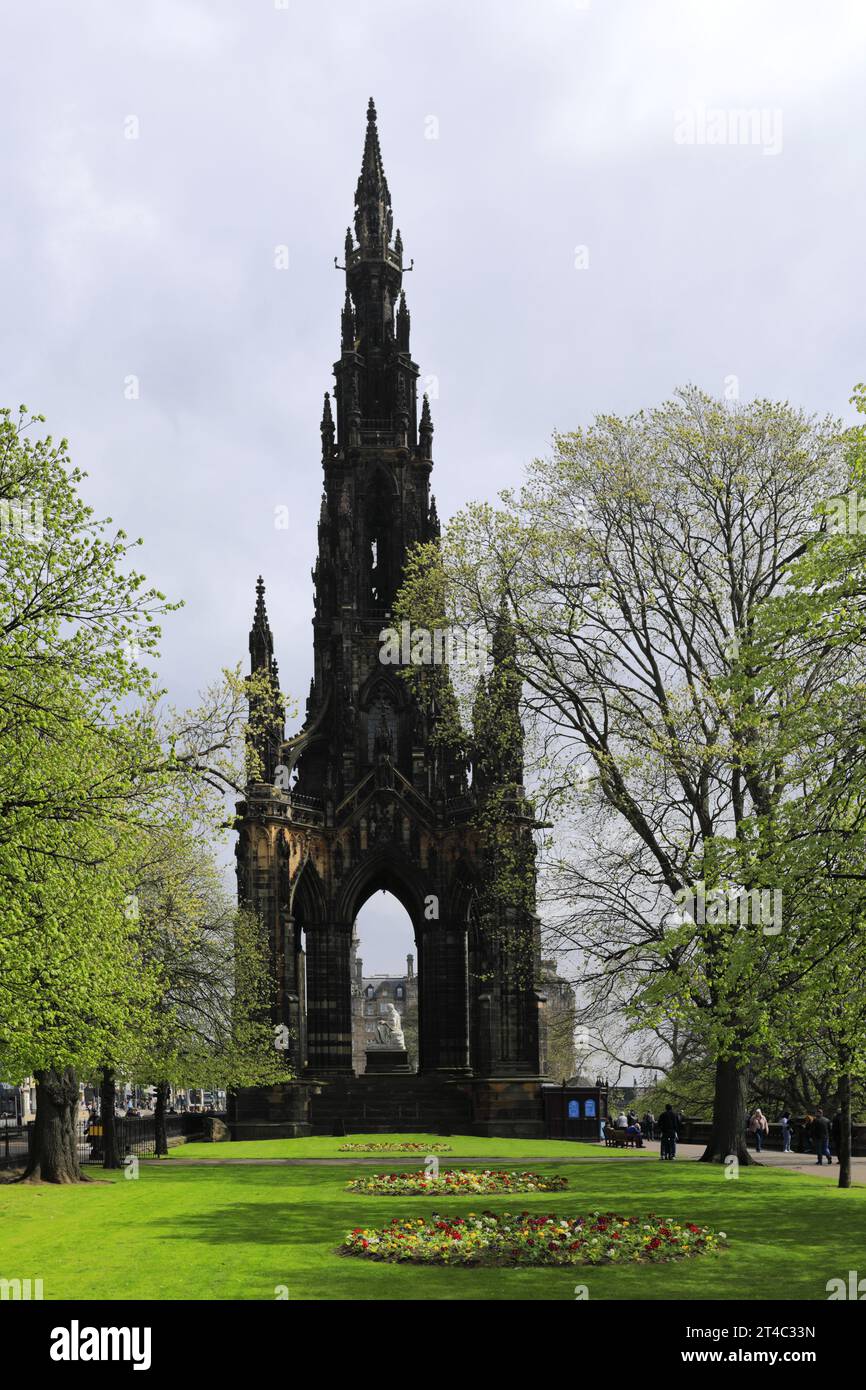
column 758, row 1128
column 668, row 1130
column 836, row 1126
column 808, row 1135
column 649, row 1125
column 821, row 1135
column 787, row 1131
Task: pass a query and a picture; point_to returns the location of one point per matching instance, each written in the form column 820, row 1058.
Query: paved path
column 793, row 1162
column 772, row 1158
column 381, row 1160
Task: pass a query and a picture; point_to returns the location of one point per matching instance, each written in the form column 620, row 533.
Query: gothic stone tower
column 364, row 797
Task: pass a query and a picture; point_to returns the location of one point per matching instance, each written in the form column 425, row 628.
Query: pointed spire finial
column 373, row 217
column 261, row 642
column 261, row 615
column 327, row 429
column 504, row 637
column 425, row 430
column 347, row 324
column 403, row 323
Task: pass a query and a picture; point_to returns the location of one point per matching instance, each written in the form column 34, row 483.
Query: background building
column 371, row 995
column 557, row 1024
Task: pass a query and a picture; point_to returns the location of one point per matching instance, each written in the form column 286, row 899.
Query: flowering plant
column 406, row 1148
column 457, row 1180
column 504, row 1238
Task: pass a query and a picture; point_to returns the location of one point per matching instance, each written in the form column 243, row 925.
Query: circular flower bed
column 457, row 1180
column 408, row 1148
column 522, row 1238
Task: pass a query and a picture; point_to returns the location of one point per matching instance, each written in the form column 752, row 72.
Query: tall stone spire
column 373, row 217
column 261, row 639
column 266, row 728
column 497, row 727
column 375, row 372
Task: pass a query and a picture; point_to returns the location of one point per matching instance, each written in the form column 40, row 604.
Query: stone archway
column 386, row 870
column 384, row 976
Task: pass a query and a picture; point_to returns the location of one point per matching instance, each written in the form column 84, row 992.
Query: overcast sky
column 578, row 248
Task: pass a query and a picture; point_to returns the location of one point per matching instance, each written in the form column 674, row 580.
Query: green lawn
column 239, row 1232
column 461, row 1145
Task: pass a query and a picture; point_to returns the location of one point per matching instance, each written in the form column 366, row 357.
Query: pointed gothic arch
column 384, row 868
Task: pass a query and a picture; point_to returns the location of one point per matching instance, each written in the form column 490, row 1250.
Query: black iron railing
column 136, row 1136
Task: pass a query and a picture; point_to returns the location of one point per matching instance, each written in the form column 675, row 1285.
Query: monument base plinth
column 387, row 1059
column 281, row 1111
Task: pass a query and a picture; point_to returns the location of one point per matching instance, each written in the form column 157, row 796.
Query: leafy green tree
column 812, row 637
column 634, row 562
column 71, row 620
column 90, row 762
column 213, row 1015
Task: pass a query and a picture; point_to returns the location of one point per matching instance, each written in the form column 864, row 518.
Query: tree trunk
column 53, row 1153
column 728, row 1136
column 111, row 1155
column 844, row 1154
column 160, row 1136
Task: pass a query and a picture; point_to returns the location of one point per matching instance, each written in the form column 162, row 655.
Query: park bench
column 621, row 1139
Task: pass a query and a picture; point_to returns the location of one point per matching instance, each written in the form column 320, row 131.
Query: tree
column 634, row 562
column 87, row 753
column 212, row 1018
column 69, row 983
column 818, row 752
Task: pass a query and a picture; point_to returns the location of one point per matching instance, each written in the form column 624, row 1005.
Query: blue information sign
column 589, row 1109
column 574, row 1109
